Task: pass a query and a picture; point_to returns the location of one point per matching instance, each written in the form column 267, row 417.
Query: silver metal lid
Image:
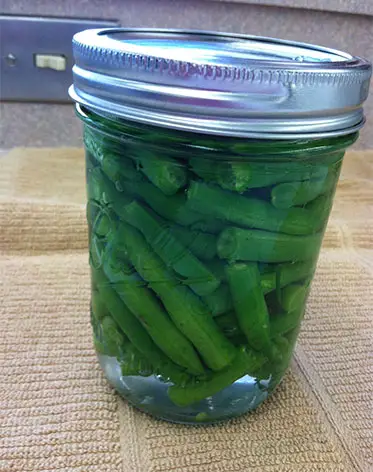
column 222, row 84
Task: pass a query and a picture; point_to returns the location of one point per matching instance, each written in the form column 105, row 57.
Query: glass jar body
column 202, row 252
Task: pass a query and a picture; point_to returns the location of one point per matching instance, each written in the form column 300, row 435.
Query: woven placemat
column 58, row 413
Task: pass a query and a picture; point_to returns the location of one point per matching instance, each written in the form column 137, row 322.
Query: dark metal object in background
column 36, row 56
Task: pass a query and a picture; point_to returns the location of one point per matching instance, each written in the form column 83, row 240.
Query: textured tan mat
column 57, row 412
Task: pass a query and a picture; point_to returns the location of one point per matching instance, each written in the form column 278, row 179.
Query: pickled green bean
column 98, row 308
column 250, row 305
column 145, row 306
column 190, row 270
column 283, row 323
column 291, row 194
column 220, row 301
column 268, row 174
column 246, row 362
column 249, row 212
column 186, row 310
column 228, row 175
column 202, row 245
column 293, row 297
column 134, row 330
column 168, row 176
column 284, row 273
column 113, row 340
column 263, row 246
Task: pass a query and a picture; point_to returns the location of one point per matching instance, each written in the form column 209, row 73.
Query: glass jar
column 203, row 237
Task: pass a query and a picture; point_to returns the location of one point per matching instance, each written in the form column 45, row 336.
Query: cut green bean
column 98, row 308
column 250, row 305
column 287, row 274
column 202, row 245
column 262, row 246
column 220, row 301
column 246, row 362
column 120, row 170
column 291, row 194
column 294, row 297
column 94, row 191
column 134, row 330
column 228, row 175
column 101, row 219
column 186, row 310
column 144, row 305
column 249, row 212
column 133, row 362
column 276, row 368
column 217, row 267
column 168, row 176
column 270, row 173
column 126, row 178
column 190, row 270
column 172, row 208
column 229, row 325
column 206, row 225
column 114, row 341
column 283, row 323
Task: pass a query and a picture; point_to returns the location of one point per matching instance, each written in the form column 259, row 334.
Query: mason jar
column 212, row 161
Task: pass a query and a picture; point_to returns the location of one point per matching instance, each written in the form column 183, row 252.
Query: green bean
column 248, row 212
column 144, row 305
column 229, row 325
column 287, row 274
column 186, row 310
column 283, row 323
column 263, row 246
column 133, row 362
column 124, row 175
column 217, row 267
column 126, row 178
column 100, row 218
column 98, row 308
column 120, row 170
column 202, row 245
column 167, row 175
column 94, row 191
column 220, row 301
column 134, row 330
column 96, row 250
column 207, row 225
column 319, row 210
column 121, row 314
column 246, row 362
column 270, row 173
column 250, row 305
column 293, row 302
column 114, row 341
column 275, row 369
column 294, row 297
column 295, row 193
column 228, row 175
column 172, row 208
column 173, row 253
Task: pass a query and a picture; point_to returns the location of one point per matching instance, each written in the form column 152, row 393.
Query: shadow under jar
column 212, row 162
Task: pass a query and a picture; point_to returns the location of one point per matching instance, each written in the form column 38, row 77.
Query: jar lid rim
column 220, row 83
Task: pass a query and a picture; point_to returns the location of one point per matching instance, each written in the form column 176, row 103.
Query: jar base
column 149, row 394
